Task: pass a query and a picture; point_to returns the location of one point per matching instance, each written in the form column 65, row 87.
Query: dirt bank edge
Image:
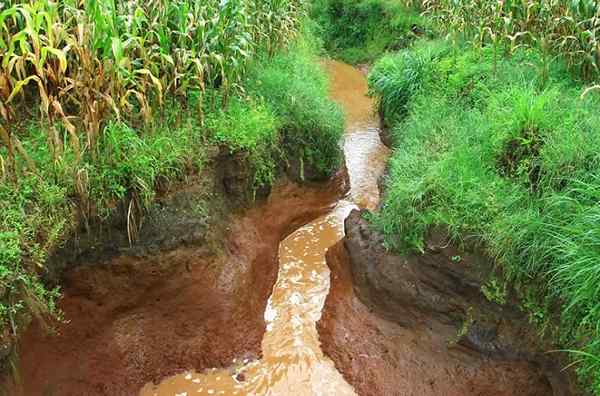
column 420, row 325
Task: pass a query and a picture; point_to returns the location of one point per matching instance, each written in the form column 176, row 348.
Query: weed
column 295, row 86
column 252, row 127
column 495, row 291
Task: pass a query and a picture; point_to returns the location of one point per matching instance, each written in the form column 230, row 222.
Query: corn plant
column 568, row 29
column 83, row 61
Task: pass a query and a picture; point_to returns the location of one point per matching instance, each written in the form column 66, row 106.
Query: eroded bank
column 292, row 361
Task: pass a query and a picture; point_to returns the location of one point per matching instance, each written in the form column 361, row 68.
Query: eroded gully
column 292, row 360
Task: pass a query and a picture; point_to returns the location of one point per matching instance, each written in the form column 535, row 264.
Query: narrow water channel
column 293, row 362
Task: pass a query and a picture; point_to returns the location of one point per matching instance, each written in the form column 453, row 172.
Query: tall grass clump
column 360, row 31
column 129, row 166
column 498, row 154
column 249, row 127
column 396, row 77
column 295, row 86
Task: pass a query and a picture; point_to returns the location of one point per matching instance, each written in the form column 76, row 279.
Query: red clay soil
column 381, row 358
column 131, row 321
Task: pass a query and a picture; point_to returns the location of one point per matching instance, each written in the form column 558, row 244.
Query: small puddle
column 293, row 362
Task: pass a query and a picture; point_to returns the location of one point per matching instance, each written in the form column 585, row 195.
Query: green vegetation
column 501, row 151
column 396, row 78
column 359, row 31
column 251, row 127
column 296, row 87
column 105, row 102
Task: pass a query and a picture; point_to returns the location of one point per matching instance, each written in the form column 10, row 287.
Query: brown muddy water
column 292, row 361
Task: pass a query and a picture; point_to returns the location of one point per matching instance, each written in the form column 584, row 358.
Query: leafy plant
column 494, row 291
column 311, row 123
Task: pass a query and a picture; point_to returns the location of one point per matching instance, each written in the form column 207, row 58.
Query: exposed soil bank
column 135, row 318
column 421, row 326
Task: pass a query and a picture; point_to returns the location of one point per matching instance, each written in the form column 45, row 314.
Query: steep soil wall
column 420, row 325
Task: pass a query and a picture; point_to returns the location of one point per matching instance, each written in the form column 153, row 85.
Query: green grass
column 508, row 159
column 128, row 163
column 249, row 126
column 295, row 86
column 395, row 78
column 359, row 31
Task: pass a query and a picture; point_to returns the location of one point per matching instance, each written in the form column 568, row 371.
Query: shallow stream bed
column 292, row 362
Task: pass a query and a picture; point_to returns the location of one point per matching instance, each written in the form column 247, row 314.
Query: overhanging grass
column 295, row 86
column 250, row 126
column 506, row 158
column 130, row 161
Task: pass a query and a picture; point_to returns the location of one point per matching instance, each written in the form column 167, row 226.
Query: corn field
column 569, row 29
column 73, row 64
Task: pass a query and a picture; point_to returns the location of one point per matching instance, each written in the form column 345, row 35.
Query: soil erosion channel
column 288, row 305
column 292, row 361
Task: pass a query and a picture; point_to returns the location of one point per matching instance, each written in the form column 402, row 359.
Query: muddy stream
column 292, row 362
column 343, row 316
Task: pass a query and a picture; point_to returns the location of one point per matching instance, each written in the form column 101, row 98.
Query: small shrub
column 35, row 207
